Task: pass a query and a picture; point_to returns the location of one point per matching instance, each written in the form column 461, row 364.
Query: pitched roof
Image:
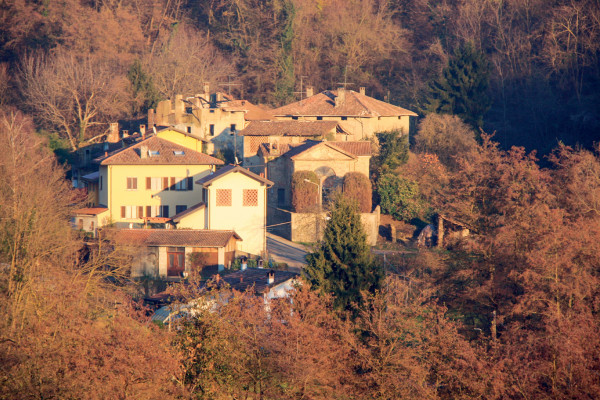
column 257, row 278
column 167, row 153
column 355, row 104
column 90, row 211
column 361, row 148
column 209, row 179
column 291, row 128
column 251, row 112
column 175, row 237
column 192, row 209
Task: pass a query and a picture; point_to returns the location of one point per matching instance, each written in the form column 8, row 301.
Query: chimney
column 340, row 99
column 143, row 131
column 150, row 117
column 206, row 90
column 309, row 91
column 271, row 277
column 113, row 133
column 362, row 90
column 179, row 108
column 143, row 151
column 125, row 133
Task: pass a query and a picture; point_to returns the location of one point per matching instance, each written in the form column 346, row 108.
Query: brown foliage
column 357, row 186
column 305, row 195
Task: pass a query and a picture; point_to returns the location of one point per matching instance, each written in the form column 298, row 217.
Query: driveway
column 282, row 250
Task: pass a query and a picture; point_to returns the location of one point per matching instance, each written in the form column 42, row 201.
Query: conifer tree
column 462, row 88
column 342, row 265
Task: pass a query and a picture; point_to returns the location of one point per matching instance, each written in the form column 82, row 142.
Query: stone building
column 214, row 117
column 359, row 115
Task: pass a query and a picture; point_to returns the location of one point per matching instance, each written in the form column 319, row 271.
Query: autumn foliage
column 358, row 187
column 305, row 195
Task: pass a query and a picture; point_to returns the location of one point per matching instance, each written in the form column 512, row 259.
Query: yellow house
column 235, row 199
column 358, row 114
column 183, row 138
column 151, row 181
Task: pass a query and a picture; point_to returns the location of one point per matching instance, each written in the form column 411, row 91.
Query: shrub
column 305, row 196
column 399, row 197
column 393, row 151
column 358, row 186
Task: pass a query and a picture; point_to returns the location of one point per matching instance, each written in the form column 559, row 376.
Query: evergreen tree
column 393, row 151
column 145, row 94
column 342, row 265
column 462, row 88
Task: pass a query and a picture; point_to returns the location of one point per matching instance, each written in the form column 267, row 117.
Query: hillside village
column 300, row 199
column 165, row 177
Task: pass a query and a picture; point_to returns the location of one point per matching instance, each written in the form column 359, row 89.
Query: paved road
column 282, row 250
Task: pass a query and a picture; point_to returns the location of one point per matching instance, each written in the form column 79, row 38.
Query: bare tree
column 184, row 61
column 74, row 96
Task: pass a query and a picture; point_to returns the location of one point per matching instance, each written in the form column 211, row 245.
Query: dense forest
column 539, row 58
column 511, row 312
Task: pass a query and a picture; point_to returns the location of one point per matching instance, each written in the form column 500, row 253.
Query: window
column 155, row 183
column 280, row 197
column 344, row 118
column 223, row 197
column 250, row 197
column 211, row 130
column 294, row 118
column 181, row 184
column 232, row 129
column 189, row 128
column 319, row 118
column 164, row 212
column 153, row 153
column 131, row 183
column 180, row 209
column 153, row 211
column 175, row 261
column 92, row 226
column 179, row 152
column 188, row 110
column 80, row 224
column 131, row 212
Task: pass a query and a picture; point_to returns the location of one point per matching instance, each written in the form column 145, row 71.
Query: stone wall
column 308, row 227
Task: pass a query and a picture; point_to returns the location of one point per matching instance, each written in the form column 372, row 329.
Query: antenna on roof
column 229, row 84
column 154, row 129
column 345, row 83
column 237, row 162
column 301, row 92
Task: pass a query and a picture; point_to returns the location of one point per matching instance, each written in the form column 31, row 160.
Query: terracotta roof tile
column 290, row 128
column 166, row 155
column 355, row 105
column 90, row 211
column 361, row 148
column 252, row 112
column 174, row 237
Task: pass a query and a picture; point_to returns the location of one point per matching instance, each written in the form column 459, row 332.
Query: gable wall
column 246, row 221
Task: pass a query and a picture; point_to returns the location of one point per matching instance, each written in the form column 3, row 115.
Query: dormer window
column 153, row 153
column 178, row 152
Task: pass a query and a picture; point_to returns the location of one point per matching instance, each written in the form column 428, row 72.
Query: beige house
column 276, row 134
column 167, row 253
column 151, row 181
column 359, row 115
column 89, row 219
column 234, row 198
column 214, row 117
column 329, row 160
